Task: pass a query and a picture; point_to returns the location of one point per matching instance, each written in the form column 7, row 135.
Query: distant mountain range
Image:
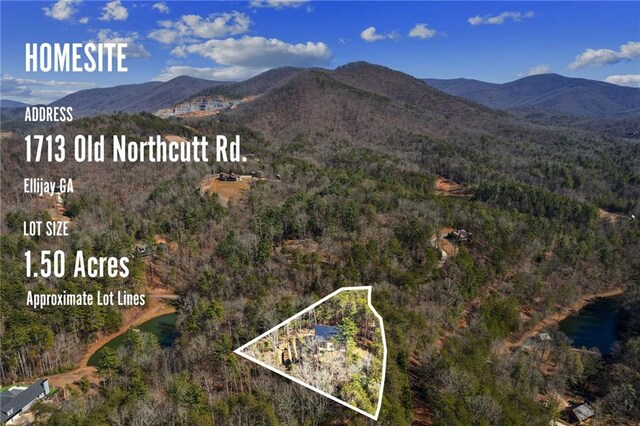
column 356, row 114
column 549, row 93
column 8, row 103
column 546, row 99
column 362, row 117
column 364, row 105
column 150, row 96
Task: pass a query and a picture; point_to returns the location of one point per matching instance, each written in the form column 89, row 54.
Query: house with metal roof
column 18, row 399
column 583, row 412
column 325, row 335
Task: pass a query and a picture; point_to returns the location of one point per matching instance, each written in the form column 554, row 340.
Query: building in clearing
column 460, row 236
column 228, row 177
column 18, row 399
column 544, row 337
column 583, row 412
column 324, row 336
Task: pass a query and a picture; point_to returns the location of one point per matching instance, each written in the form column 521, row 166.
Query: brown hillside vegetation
column 363, row 111
column 613, row 217
column 359, row 150
column 369, row 106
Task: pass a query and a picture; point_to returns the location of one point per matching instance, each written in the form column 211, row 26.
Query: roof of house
column 583, row 412
column 12, row 402
column 544, row 336
column 325, row 332
column 12, row 392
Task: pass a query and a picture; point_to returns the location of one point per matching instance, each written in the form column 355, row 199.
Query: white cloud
column 84, row 20
column 12, row 87
column 133, row 50
column 7, row 78
column 598, row 57
column 500, row 19
column 196, row 27
column 631, row 80
column 277, row 4
column 370, row 35
column 237, row 58
column 62, row 10
column 161, row 7
column 215, row 73
column 537, row 70
column 258, row 52
column 38, row 91
column 44, row 96
column 393, row 35
column 114, row 11
column 164, row 36
column 422, row 31
column 180, row 51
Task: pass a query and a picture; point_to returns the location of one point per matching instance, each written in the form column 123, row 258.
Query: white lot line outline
column 240, row 352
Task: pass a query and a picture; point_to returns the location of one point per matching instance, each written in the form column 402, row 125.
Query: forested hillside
column 358, row 151
column 373, row 107
column 149, row 97
column 549, row 93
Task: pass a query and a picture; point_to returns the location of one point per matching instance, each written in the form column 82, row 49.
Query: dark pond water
column 163, row 327
column 595, row 325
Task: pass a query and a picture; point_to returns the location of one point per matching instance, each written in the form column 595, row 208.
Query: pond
column 595, row 325
column 163, row 327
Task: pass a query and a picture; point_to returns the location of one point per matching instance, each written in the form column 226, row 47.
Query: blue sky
column 490, row 41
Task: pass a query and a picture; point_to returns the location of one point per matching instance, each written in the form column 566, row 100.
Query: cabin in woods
column 291, row 348
column 583, row 412
column 17, row 400
column 228, row 177
column 324, row 335
column 459, row 236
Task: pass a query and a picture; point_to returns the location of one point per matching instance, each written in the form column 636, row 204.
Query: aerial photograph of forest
column 335, row 347
column 292, row 212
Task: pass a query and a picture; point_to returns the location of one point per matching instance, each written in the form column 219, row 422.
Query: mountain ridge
column 552, row 93
column 548, row 93
column 363, row 101
column 8, row 103
column 149, row 96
